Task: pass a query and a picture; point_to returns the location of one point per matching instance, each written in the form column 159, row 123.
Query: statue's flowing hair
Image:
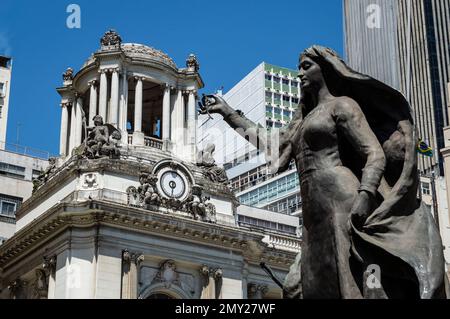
column 399, row 220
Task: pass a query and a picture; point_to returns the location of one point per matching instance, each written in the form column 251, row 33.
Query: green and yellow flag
column 424, row 149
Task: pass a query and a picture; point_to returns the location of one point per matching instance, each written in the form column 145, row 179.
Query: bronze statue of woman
column 354, row 143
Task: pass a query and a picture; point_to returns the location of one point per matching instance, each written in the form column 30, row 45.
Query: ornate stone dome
column 135, row 50
column 111, row 41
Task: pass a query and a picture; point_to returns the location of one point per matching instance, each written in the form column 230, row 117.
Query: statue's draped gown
column 329, row 190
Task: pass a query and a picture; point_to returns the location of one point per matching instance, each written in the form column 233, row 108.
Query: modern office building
column 406, row 43
column 268, row 95
column 5, row 85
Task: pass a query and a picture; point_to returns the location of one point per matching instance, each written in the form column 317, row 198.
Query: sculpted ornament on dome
column 192, row 63
column 111, row 40
column 68, row 75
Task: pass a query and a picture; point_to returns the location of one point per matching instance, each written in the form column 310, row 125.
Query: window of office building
column 9, row 205
column 277, row 98
column 426, row 190
column 12, row 170
column 254, row 222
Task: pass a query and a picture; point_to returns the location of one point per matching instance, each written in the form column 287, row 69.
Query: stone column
column 92, row 102
column 114, row 106
column 166, row 120
column 178, row 129
column 73, row 122
column 64, row 129
column 138, row 136
column 49, row 266
column 123, row 104
column 191, row 118
column 103, row 100
column 79, row 122
column 130, row 265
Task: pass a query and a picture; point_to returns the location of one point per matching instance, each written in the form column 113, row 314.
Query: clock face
column 173, row 184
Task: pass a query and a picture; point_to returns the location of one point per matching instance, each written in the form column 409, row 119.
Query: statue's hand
column 361, row 209
column 213, row 104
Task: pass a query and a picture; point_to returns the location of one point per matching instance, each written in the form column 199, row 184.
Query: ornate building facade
column 131, row 209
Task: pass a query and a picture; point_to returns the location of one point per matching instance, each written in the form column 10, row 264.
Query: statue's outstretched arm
column 252, row 132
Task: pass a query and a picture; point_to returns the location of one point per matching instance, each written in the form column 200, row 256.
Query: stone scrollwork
column 205, row 160
column 204, row 271
column 132, row 257
column 90, row 181
column 167, row 274
column 218, row 274
column 256, row 291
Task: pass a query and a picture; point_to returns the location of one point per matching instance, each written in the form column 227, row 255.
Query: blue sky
column 230, row 38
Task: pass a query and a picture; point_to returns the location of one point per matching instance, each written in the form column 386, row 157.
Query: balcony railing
column 153, row 142
column 148, row 141
column 283, row 243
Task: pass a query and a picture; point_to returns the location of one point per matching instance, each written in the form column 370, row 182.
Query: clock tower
column 130, row 210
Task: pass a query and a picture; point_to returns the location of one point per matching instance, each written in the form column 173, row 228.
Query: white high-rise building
column 5, row 84
column 268, row 95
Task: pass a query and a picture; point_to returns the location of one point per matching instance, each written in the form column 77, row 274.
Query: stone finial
column 68, row 76
column 192, row 63
column 111, row 40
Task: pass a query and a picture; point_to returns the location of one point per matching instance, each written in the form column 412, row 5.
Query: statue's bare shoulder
column 346, row 108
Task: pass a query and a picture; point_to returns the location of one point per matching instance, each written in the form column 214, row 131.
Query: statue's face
column 310, row 73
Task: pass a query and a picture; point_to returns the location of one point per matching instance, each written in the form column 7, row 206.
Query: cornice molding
column 95, row 213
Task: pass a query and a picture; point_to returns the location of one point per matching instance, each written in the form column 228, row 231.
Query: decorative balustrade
column 148, row 141
column 153, row 142
column 283, row 243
